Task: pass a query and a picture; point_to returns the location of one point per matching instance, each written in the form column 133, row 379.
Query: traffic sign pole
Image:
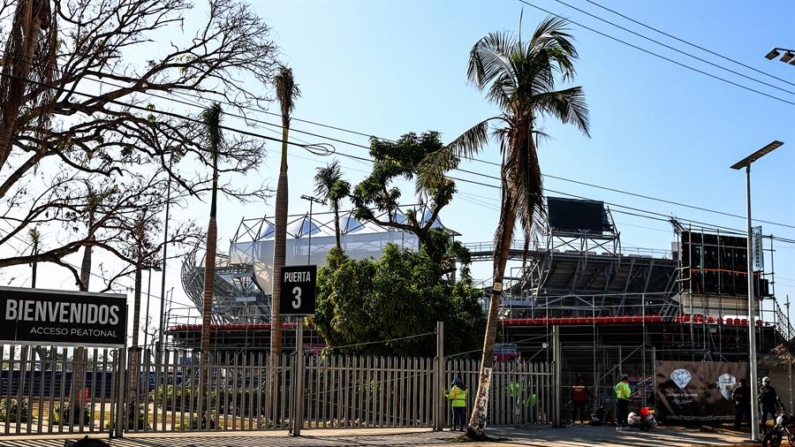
column 297, row 298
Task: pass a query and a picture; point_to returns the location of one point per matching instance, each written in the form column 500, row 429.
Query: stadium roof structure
column 244, row 277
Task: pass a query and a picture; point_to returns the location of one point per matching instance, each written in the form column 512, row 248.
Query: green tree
column 520, row 78
column 402, row 159
column 332, row 188
column 392, row 299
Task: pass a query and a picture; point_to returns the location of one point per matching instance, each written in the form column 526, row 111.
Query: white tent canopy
column 309, row 242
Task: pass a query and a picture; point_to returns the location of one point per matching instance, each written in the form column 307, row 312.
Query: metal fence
column 46, row 390
column 38, row 393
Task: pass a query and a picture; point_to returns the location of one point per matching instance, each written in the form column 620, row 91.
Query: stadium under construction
column 618, row 311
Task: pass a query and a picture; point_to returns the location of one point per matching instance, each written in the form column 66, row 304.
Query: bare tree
column 88, row 112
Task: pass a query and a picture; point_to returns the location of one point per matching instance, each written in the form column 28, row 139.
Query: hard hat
column 765, row 379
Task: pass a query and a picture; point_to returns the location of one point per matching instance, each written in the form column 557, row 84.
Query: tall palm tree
column 287, row 92
column 519, row 77
column 332, row 188
column 211, row 117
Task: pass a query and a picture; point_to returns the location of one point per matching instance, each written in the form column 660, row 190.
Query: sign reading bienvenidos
column 37, row 316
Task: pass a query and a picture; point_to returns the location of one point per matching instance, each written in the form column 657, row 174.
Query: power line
column 659, row 56
column 162, row 112
column 670, row 202
column 674, row 48
column 689, row 43
column 232, row 129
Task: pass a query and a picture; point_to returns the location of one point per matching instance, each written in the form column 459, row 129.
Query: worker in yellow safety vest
column 623, row 394
column 458, row 401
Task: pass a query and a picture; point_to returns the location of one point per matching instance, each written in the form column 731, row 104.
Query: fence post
column 121, row 410
column 298, row 379
column 439, row 388
column 556, row 376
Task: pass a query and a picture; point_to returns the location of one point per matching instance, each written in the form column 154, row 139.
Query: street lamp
column 312, row 200
column 746, row 163
column 787, row 58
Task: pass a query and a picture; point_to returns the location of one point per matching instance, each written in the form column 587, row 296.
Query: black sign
column 297, row 296
column 575, row 215
column 36, row 316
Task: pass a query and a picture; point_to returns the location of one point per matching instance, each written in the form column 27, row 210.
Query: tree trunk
column 134, row 371
column 477, row 422
column 35, row 265
column 337, row 223
column 79, row 375
column 207, row 308
column 20, row 69
column 279, row 255
column 136, row 323
column 85, row 268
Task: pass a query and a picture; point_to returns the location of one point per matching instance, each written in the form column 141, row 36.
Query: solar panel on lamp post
column 746, row 163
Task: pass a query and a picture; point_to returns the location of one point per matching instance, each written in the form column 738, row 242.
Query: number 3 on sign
column 297, row 298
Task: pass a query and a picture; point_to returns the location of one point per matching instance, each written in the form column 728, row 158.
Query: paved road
column 577, row 436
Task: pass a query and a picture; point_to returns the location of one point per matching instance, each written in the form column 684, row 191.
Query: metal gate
column 601, row 367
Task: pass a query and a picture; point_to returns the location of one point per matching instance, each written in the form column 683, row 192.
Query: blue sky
column 658, row 129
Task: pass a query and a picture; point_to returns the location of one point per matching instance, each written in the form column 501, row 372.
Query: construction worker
column 579, row 397
column 458, row 401
column 622, row 393
column 531, row 402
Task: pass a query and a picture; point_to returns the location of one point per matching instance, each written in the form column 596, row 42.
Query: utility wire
column 689, row 43
column 253, row 134
column 377, row 342
column 670, row 202
column 163, row 112
column 675, row 49
column 659, row 56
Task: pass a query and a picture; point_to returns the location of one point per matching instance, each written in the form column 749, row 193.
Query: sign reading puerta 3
column 37, row 316
column 297, row 295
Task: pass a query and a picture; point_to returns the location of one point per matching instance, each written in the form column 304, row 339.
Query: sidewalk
column 576, row 436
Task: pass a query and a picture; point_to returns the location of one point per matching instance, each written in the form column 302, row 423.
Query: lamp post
column 788, row 57
column 312, row 200
column 148, row 295
column 746, row 163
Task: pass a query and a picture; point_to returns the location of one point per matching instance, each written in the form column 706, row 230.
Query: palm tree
column 332, row 188
column 35, row 240
column 212, row 122
column 287, row 92
column 519, row 77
